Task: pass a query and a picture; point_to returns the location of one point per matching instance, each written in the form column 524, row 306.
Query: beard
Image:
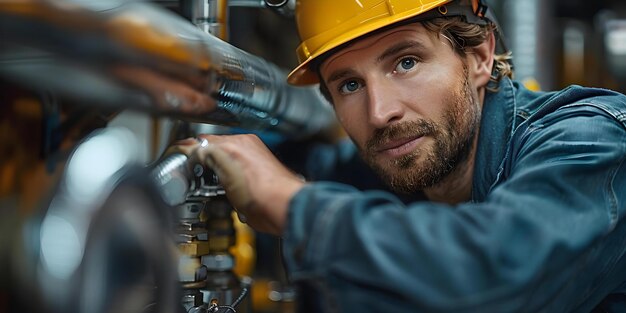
column 452, row 143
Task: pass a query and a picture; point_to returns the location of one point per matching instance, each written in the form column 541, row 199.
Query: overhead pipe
column 137, row 55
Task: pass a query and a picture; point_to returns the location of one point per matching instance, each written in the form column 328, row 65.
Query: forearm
column 428, row 256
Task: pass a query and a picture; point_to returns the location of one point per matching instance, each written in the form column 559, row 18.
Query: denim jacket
column 543, row 232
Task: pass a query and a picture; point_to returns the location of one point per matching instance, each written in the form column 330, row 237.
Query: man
column 526, row 190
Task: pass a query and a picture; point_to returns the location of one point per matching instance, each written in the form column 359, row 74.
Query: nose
column 384, row 107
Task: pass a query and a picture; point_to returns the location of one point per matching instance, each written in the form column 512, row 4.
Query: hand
column 256, row 183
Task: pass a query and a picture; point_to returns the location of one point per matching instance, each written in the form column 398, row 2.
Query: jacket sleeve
column 539, row 242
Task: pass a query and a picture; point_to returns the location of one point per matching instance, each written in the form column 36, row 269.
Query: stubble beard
column 428, row 165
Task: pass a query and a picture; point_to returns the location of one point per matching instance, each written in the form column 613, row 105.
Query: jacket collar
column 496, row 127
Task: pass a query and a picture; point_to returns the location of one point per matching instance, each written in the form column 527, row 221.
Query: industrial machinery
column 205, row 234
column 117, row 236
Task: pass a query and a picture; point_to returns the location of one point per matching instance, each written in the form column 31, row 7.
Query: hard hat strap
column 477, row 13
column 480, row 15
column 457, row 8
column 479, row 8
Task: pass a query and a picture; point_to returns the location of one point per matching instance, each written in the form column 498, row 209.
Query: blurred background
column 554, row 42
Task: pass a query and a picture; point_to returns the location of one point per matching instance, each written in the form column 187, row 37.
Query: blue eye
column 406, row 64
column 349, row 87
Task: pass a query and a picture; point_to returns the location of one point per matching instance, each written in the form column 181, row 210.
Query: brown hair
column 462, row 35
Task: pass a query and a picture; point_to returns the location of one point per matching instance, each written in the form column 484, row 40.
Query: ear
column 481, row 61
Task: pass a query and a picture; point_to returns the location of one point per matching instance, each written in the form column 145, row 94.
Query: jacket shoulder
column 540, row 104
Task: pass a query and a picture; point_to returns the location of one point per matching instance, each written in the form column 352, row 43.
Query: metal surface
column 136, row 55
column 247, row 3
column 205, row 234
column 276, row 3
column 174, row 176
column 210, row 16
column 530, row 30
column 105, row 230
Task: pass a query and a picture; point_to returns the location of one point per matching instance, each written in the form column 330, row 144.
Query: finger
column 186, row 148
column 220, row 162
column 230, row 173
column 186, row 142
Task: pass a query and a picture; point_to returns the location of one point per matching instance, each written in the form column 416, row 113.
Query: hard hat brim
column 303, row 74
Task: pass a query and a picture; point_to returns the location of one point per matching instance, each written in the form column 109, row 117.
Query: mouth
column 399, row 147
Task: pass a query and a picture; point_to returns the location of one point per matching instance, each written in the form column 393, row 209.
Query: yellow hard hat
column 326, row 24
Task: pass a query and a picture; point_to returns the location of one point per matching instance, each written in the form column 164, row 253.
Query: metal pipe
column 247, row 3
column 276, row 3
column 284, row 7
column 140, row 56
column 211, row 16
column 174, row 176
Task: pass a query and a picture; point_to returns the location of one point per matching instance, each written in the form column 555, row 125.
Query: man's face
column 407, row 101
